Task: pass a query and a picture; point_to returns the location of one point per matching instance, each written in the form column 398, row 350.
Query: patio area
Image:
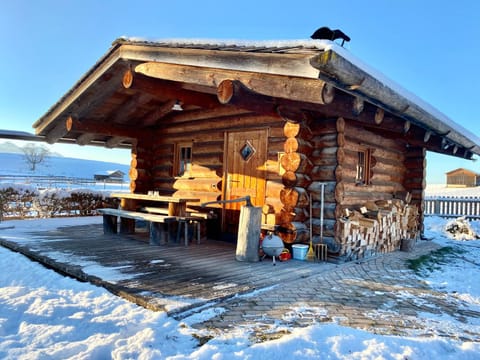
column 170, row 278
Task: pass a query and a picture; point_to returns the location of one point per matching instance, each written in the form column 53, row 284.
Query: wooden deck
column 173, row 278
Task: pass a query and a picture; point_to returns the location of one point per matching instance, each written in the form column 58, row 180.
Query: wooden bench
column 154, row 210
column 158, row 232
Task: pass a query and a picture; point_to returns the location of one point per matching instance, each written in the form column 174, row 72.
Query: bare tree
column 34, row 155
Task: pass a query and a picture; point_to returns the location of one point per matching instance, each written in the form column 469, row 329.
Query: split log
column 292, row 215
column 296, row 162
column 292, row 145
column 295, row 232
column 294, row 197
column 299, row 130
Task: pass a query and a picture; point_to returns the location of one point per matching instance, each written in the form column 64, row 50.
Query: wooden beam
column 115, row 141
column 107, row 129
column 293, row 88
column 162, row 110
column 124, row 112
column 202, row 114
column 85, row 139
column 233, row 92
column 163, row 89
column 59, row 131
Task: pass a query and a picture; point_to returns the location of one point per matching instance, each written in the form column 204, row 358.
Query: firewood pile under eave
column 376, row 227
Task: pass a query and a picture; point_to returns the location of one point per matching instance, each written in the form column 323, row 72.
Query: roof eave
column 352, row 79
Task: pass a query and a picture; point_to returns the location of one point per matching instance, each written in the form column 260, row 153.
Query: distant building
column 113, row 176
column 462, row 178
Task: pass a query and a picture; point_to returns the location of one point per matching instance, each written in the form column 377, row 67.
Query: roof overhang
column 107, row 107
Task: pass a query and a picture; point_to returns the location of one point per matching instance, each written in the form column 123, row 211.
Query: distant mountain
column 8, row 147
column 15, row 164
column 11, row 148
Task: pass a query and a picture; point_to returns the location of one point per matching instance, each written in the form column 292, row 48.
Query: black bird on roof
column 325, row 33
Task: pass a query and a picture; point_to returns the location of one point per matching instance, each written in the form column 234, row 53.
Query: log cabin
column 333, row 152
column 462, row 178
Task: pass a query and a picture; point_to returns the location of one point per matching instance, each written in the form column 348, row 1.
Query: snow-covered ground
column 443, row 190
column 44, row 315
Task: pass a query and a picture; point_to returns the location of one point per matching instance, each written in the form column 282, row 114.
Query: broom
column 310, row 253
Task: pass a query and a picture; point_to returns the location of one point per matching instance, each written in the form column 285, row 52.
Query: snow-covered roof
column 303, row 59
column 408, row 103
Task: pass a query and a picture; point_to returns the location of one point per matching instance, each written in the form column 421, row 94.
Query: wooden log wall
column 140, row 168
column 377, row 216
column 294, row 197
column 415, row 179
column 204, row 181
column 326, row 141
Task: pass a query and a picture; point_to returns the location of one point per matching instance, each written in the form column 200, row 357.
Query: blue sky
column 429, row 47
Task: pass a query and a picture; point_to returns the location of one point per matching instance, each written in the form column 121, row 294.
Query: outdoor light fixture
column 177, row 106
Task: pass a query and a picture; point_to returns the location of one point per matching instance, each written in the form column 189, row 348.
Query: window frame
column 363, row 168
column 182, row 162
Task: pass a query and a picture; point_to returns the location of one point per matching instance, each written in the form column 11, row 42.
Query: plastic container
column 299, row 251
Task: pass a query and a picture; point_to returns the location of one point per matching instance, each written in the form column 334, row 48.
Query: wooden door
column 245, row 172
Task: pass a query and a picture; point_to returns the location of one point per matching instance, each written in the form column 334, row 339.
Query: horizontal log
column 324, row 140
column 296, row 162
column 292, row 179
column 138, row 174
column 273, row 189
column 292, row 215
column 324, row 126
column 290, row 88
column 329, row 210
column 160, row 88
column 328, row 227
column 204, row 196
column 298, row 130
column 60, row 130
column 324, row 173
column 276, row 203
column 296, row 232
column 205, row 184
column 297, row 145
column 234, row 92
column 294, row 198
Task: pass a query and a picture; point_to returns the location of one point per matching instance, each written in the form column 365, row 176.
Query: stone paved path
column 381, row 295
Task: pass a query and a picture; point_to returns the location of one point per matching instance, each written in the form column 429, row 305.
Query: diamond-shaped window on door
column 247, row 151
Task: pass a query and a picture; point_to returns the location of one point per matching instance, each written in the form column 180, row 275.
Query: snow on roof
column 319, row 45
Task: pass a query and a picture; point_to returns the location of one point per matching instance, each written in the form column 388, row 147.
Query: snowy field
column 44, row 315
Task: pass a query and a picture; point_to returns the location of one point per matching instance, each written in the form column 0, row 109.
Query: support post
column 249, row 233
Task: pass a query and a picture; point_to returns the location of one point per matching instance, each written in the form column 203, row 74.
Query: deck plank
column 152, row 274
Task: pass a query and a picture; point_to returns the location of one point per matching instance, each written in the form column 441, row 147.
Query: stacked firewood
column 376, row 227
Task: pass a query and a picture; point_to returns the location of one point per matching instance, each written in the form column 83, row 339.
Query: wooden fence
column 449, row 206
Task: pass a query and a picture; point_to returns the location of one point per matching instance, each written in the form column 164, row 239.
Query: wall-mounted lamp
column 177, row 106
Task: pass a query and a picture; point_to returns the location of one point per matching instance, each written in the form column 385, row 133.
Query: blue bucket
column 299, row 251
